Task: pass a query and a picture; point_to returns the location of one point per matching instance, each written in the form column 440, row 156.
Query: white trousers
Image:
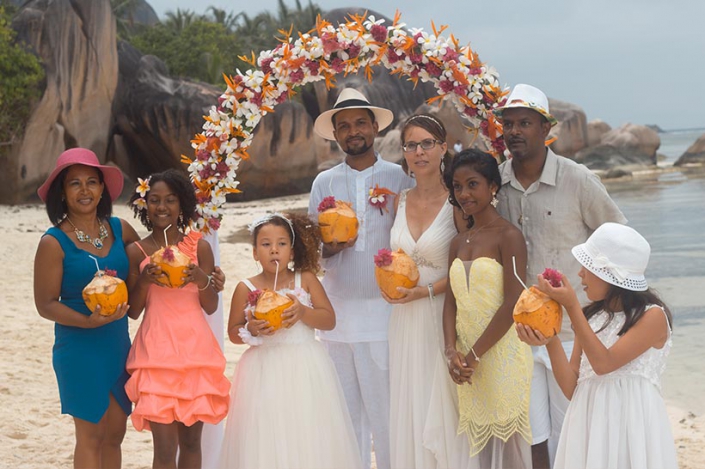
column 548, row 404
column 363, row 370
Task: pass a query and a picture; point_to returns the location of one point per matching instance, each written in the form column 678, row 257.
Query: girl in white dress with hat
column 616, row 417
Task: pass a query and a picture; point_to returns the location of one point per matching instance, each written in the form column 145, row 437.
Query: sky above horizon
column 638, row 61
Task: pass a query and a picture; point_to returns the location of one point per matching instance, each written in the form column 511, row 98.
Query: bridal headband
column 263, row 220
column 423, row 116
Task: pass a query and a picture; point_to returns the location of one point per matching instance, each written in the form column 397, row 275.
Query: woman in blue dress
column 90, row 350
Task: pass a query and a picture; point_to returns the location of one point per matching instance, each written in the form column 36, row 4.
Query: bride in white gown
column 423, row 228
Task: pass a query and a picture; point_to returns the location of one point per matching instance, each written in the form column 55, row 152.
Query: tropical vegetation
column 21, row 75
column 204, row 46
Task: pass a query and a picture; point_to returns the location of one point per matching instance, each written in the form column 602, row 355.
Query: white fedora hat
column 350, row 98
column 617, row 254
column 529, row 97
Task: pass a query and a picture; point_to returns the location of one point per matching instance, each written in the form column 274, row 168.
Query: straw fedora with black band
column 350, row 98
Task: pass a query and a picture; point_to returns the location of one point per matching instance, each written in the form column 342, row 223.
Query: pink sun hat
column 112, row 176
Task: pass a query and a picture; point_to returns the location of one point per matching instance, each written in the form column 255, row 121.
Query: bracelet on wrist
column 472, row 350
column 431, row 293
column 210, row 277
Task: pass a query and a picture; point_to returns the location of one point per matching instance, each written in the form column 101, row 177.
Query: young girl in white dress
column 617, row 417
column 287, row 407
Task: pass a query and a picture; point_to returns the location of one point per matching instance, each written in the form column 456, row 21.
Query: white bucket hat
column 350, row 98
column 617, row 254
column 529, row 97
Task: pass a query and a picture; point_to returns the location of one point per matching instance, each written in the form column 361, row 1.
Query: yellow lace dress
column 494, row 408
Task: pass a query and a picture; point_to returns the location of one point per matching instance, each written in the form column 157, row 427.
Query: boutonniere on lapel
column 379, row 196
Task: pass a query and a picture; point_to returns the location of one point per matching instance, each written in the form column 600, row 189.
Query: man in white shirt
column 358, row 344
column 557, row 204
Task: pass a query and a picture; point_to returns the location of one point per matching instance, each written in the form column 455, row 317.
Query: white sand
column 35, row 435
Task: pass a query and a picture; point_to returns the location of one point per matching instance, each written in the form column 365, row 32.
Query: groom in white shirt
column 358, row 344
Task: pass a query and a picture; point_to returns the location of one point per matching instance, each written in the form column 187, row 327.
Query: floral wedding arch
column 357, row 45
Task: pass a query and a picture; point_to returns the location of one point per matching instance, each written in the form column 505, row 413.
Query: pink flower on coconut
column 326, row 203
column 168, row 254
column 383, row 257
column 253, row 297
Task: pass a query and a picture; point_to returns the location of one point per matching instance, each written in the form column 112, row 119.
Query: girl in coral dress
column 616, row 417
column 491, row 367
column 176, row 365
column 288, row 409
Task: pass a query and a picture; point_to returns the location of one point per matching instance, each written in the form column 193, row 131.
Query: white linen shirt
column 555, row 213
column 362, row 315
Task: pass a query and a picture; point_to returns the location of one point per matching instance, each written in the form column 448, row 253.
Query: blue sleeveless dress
column 90, row 363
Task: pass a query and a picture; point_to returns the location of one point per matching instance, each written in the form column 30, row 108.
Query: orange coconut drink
column 269, row 305
column 172, row 261
column 106, row 290
column 395, row 269
column 337, row 221
column 537, row 310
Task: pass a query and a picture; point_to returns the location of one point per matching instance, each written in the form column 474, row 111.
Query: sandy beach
column 36, row 435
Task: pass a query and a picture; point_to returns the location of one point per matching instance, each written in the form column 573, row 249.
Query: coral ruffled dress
column 176, row 364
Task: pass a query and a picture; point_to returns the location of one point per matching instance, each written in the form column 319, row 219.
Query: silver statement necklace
column 85, row 238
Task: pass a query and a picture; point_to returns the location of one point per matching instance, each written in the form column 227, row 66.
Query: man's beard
column 358, row 150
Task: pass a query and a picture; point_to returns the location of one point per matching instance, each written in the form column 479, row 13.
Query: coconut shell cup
column 538, row 311
column 105, row 290
column 270, row 307
column 338, row 224
column 172, row 262
column 401, row 272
